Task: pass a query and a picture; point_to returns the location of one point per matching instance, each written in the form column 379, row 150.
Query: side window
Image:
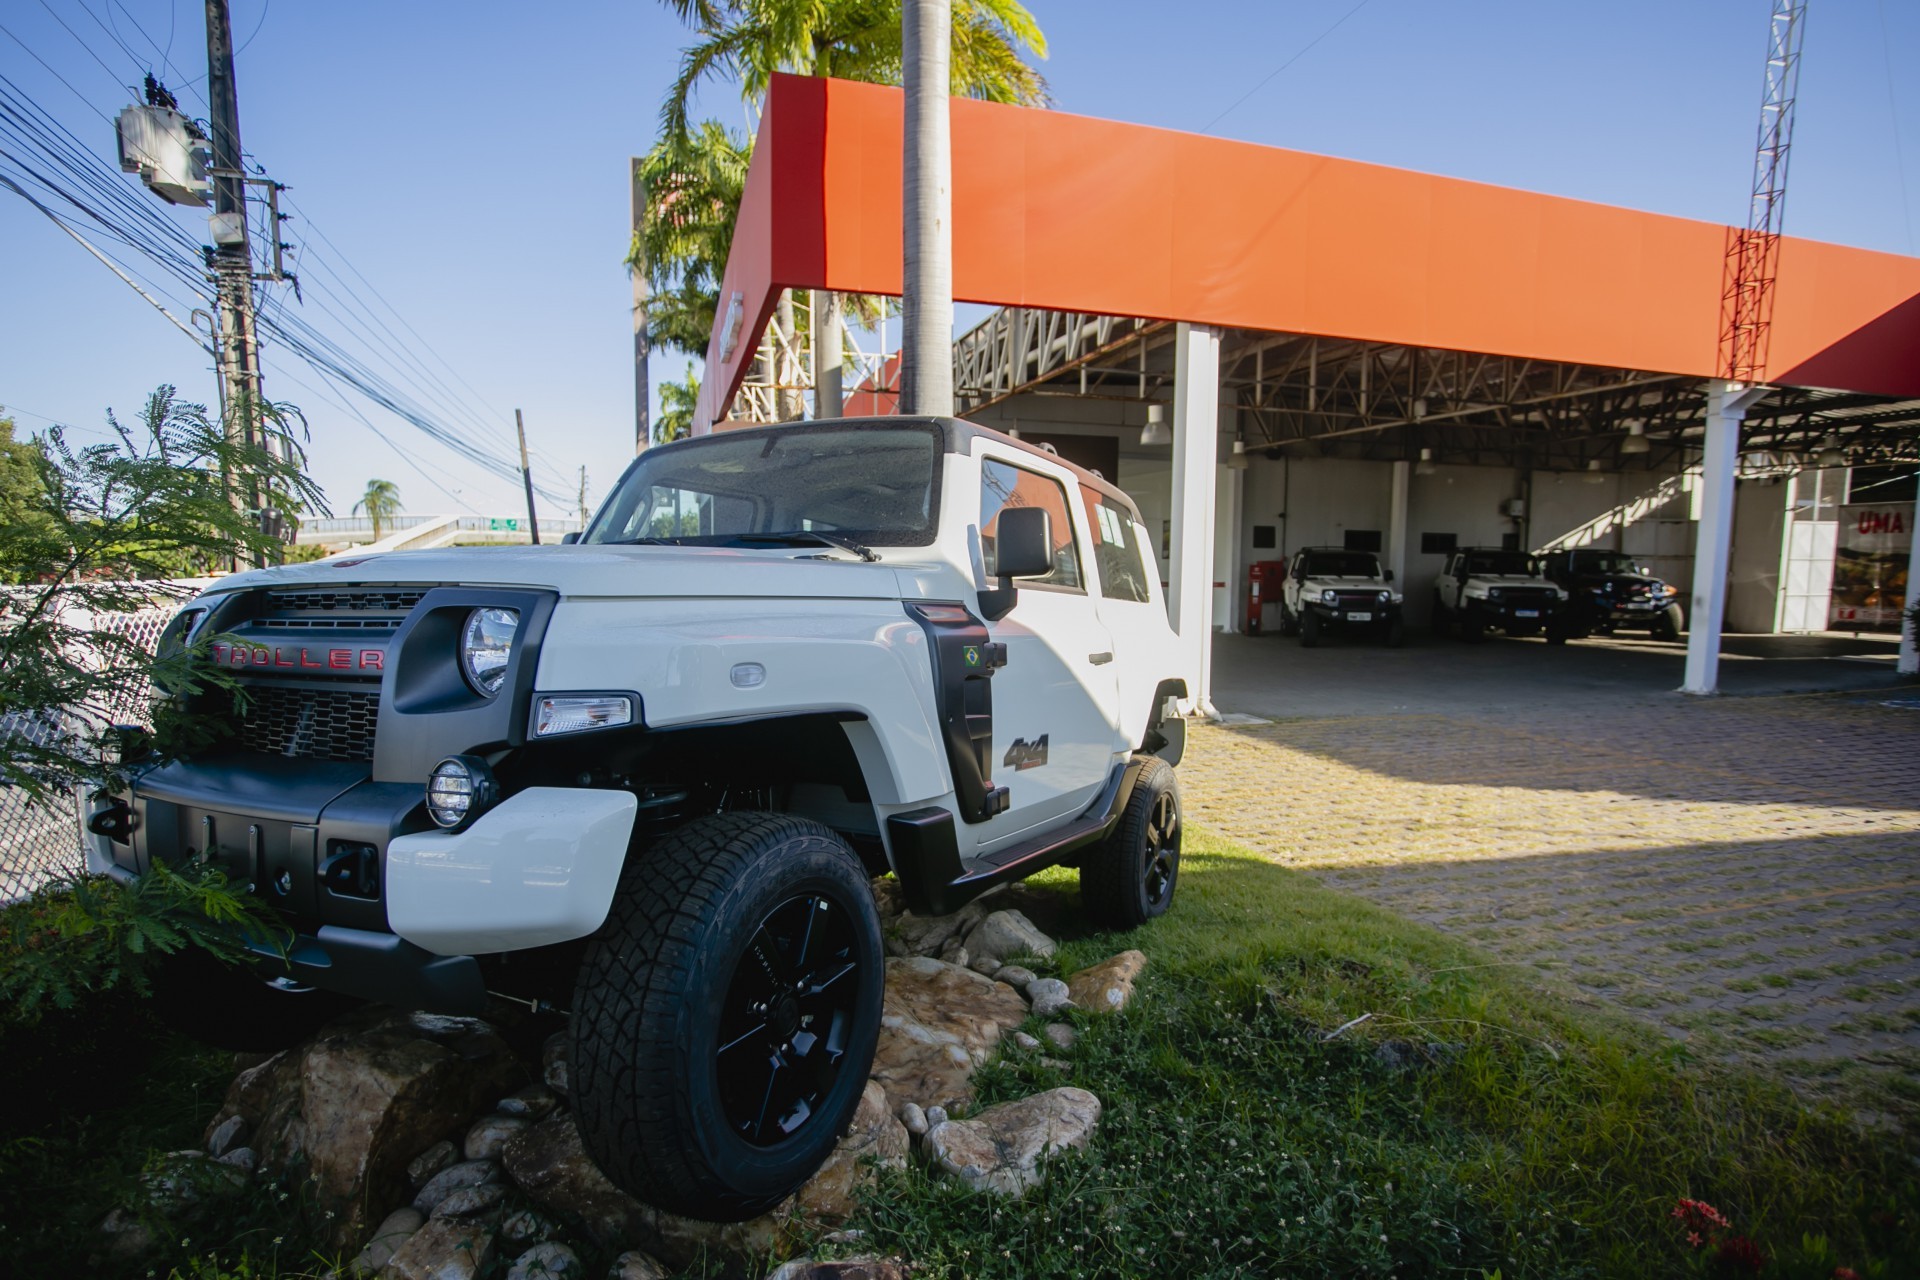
column 1004, row 485
column 1116, row 549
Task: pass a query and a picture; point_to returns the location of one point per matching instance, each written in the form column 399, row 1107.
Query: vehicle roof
column 1347, row 551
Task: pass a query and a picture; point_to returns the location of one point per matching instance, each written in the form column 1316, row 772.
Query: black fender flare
column 1166, row 736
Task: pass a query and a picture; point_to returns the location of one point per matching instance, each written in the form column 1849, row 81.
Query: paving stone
column 1752, row 861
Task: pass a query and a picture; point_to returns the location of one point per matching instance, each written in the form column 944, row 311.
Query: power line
column 1283, row 66
column 82, row 43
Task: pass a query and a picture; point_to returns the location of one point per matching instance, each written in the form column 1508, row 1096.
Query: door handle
column 1100, row 659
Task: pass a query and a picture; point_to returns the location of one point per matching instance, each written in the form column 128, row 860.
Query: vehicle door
column 1290, row 590
column 1453, row 580
column 1130, row 607
column 1055, row 703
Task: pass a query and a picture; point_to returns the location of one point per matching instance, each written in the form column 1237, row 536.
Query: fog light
column 460, row 789
column 555, row 716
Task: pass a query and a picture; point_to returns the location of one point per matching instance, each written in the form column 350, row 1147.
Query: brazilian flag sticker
column 972, row 652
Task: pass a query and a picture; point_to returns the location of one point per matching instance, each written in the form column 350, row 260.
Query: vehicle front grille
column 314, row 724
column 1359, row 599
column 348, row 599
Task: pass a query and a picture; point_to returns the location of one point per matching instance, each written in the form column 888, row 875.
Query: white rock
column 635, row 1265
column 914, row 1118
column 548, row 1261
column 231, row 1133
column 394, row 1230
column 470, row 1204
column 471, row 1173
column 1049, row 996
column 1025, row 1041
column 1062, row 1035
column 985, row 964
column 242, row 1158
column 1008, row 933
column 1005, row 1148
column 490, row 1135
column 1015, row 975
column 936, row 1115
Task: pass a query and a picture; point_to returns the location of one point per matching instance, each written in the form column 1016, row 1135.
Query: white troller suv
column 645, row 778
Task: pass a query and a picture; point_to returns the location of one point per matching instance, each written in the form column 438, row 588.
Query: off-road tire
column 1310, row 630
column 1667, row 625
column 1129, row 878
column 231, row 1006
column 664, row 972
column 1289, row 622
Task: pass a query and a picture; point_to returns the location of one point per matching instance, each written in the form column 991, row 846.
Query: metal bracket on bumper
column 379, row 967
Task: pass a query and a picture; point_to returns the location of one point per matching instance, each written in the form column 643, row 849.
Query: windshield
column 1517, row 563
column 875, row 483
column 1341, row 564
column 1603, row 562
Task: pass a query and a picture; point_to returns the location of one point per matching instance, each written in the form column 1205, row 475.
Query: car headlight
column 1496, row 593
column 1659, row 589
column 486, row 642
column 1329, row 596
column 1385, row 597
column 460, row 789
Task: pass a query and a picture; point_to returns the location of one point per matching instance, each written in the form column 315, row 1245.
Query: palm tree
column 381, row 502
column 677, row 403
column 696, row 172
column 926, row 340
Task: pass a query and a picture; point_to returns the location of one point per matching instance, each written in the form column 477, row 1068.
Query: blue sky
column 469, row 161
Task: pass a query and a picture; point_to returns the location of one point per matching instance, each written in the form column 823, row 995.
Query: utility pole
column 526, row 476
column 583, row 497
column 231, row 258
column 926, row 348
column 642, row 343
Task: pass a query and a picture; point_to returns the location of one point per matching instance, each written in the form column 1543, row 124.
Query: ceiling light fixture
column 1831, row 455
column 1155, row 432
column 1636, row 441
column 1594, row 474
column 1425, row 466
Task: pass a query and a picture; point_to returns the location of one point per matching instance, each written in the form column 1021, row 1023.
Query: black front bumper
column 1342, row 615
column 310, row 838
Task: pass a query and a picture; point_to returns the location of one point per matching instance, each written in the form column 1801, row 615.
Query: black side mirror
column 568, row 539
column 1389, row 575
column 1025, row 543
column 1023, row 548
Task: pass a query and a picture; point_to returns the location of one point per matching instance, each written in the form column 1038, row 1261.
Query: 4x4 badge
column 1024, row 755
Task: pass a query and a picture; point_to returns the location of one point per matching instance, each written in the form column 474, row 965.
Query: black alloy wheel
column 725, row 1016
column 1130, row 877
column 787, row 1019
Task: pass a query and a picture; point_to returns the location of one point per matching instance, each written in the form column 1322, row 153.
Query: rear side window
column 1116, row 548
column 1004, row 485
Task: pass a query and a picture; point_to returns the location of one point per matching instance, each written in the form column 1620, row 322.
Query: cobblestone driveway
column 1744, row 872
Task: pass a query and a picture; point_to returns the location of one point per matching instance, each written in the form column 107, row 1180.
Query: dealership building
column 1270, row 350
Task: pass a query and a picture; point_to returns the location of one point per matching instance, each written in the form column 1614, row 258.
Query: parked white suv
column 1334, row 589
column 1485, row 587
column 662, row 764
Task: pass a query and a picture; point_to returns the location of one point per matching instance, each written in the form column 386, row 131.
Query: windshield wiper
column 641, row 542
column 803, row 536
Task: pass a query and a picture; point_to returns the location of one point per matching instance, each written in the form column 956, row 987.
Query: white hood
column 624, row 571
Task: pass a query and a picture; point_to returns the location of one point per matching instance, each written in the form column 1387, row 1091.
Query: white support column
column 1196, row 443
column 1397, row 524
column 1909, row 655
column 1727, row 405
column 1233, row 570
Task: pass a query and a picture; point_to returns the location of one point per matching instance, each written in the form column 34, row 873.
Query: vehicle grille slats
column 316, row 724
column 347, row 599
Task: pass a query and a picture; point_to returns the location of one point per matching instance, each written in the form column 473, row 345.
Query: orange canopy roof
column 1071, row 213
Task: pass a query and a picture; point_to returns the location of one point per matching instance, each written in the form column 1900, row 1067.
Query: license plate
column 1359, row 617
column 1526, row 613
column 1638, row 604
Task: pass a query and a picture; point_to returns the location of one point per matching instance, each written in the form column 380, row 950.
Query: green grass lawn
column 1504, row 1129
column 1475, row 1124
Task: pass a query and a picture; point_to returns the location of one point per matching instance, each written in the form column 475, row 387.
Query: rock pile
column 430, row 1152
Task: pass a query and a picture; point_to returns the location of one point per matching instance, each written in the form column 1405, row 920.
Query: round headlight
column 459, row 790
column 1330, row 596
column 1386, row 597
column 1496, row 593
column 485, row 644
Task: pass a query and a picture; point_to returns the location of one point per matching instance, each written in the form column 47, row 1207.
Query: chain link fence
column 40, row 839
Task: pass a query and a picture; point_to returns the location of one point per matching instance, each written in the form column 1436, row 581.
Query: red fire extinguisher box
column 1263, row 589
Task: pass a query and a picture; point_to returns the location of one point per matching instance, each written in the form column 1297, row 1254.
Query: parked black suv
column 1609, row 592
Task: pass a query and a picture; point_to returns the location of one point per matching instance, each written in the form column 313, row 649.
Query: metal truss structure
column 1338, row 397
column 1753, row 252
